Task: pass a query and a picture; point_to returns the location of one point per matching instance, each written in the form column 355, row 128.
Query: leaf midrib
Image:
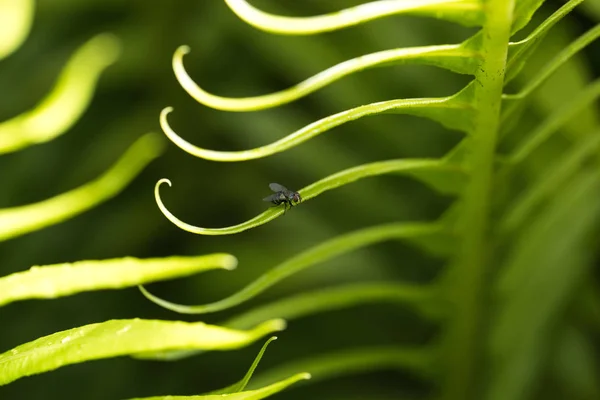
column 464, row 341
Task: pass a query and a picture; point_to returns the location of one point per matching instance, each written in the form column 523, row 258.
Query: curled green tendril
column 450, row 111
column 416, row 232
column 411, row 167
column 457, row 58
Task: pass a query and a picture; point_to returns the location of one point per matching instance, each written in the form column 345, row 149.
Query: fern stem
column 464, row 348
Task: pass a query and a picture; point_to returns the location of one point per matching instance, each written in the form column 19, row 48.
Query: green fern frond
column 519, row 234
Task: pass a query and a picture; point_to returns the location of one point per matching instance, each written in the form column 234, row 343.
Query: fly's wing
column 271, row 198
column 276, row 187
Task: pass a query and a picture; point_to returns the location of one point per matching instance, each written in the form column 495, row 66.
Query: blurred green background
column 228, row 58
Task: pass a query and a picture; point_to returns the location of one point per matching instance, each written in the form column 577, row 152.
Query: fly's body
column 283, row 195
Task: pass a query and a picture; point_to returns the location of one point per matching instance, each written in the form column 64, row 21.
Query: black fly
column 283, row 195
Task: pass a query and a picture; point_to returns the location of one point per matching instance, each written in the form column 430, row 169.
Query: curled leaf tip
column 164, row 180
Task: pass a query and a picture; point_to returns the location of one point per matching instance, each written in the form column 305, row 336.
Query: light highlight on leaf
column 435, row 172
column 15, row 24
column 20, row 220
column 248, row 395
column 457, row 58
column 68, row 100
column 420, row 233
column 466, row 12
column 51, row 281
column 122, row 337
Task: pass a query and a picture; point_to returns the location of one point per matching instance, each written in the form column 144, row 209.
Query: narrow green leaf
column 241, row 385
column 354, row 361
column 431, row 170
column 519, row 52
column 51, row 281
column 63, row 106
column 576, row 46
column 15, row 24
column 20, row 220
column 554, row 122
column 248, row 395
column 423, row 298
column 420, row 233
column 466, row 12
column 453, row 112
column 522, row 13
column 122, row 337
column 555, row 179
column 539, row 280
column 457, row 58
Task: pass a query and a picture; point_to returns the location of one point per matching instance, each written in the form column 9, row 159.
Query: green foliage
column 51, row 281
column 68, row 100
column 427, row 235
column 438, row 173
column 513, row 306
column 122, row 337
column 20, row 220
column 51, row 118
column 519, row 253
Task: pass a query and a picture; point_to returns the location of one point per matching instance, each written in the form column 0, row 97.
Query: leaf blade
column 17, row 221
column 118, row 338
column 51, row 281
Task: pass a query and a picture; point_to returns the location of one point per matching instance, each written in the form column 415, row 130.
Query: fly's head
column 296, row 198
